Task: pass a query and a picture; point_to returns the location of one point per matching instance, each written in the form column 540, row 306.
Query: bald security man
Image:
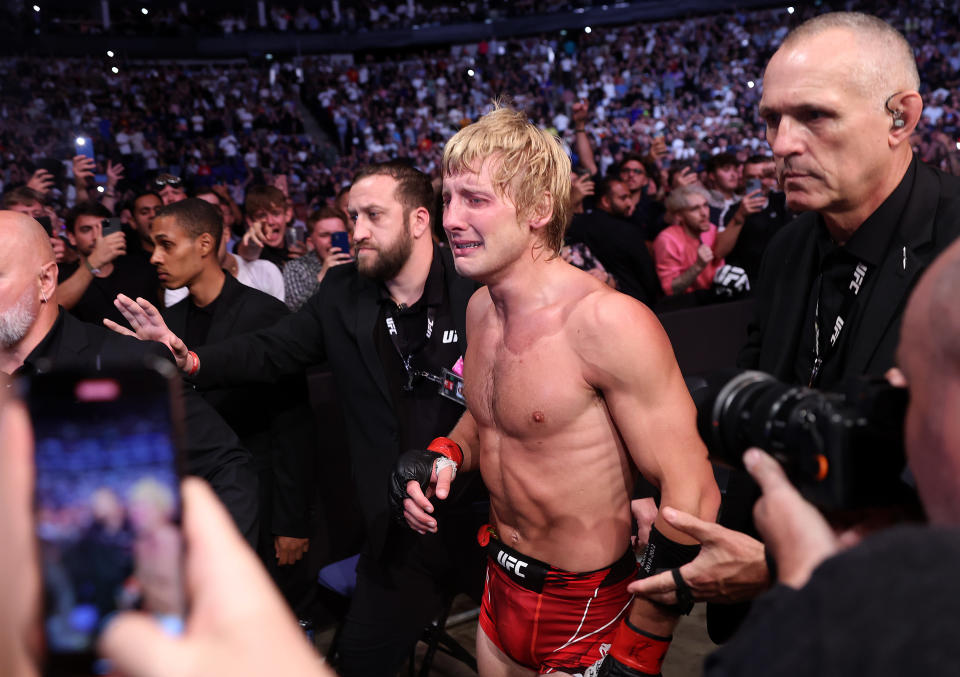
column 840, row 102
column 37, row 336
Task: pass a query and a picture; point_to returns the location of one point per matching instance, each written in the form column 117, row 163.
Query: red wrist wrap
column 447, row 447
column 195, row 366
column 638, row 650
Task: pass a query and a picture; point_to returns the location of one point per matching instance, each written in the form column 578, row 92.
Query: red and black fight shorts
column 548, row 619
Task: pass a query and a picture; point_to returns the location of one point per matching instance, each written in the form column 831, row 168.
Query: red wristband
column 638, row 650
column 447, row 447
column 195, row 367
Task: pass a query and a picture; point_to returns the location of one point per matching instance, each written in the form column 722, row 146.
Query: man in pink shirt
column 685, row 253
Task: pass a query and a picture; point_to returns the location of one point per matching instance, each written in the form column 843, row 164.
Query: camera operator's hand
column 148, row 325
column 238, row 625
column 797, row 535
column 730, row 567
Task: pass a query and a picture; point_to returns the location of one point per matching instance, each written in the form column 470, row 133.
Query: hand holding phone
column 107, row 505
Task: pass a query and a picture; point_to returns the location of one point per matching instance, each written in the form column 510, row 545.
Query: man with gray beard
column 36, row 336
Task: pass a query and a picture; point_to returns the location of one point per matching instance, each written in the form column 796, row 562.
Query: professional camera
column 840, row 449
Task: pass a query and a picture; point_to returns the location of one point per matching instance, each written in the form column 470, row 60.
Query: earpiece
column 897, row 114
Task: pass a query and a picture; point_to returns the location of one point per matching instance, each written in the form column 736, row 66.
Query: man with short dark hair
column 617, row 243
column 271, row 421
column 759, row 215
column 87, row 288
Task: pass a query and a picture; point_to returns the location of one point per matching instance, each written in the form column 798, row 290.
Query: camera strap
column 849, row 302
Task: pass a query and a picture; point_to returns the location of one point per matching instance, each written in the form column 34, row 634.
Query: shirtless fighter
column 571, row 388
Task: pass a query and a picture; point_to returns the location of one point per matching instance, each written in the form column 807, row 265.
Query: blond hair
column 531, row 168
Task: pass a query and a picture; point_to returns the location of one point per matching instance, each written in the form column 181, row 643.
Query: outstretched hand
column 148, row 325
column 730, row 567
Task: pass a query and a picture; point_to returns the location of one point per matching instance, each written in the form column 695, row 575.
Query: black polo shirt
column 40, row 359
column 421, row 410
column 833, row 277
column 758, row 230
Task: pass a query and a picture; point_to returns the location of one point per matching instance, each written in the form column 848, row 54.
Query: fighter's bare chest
column 524, row 386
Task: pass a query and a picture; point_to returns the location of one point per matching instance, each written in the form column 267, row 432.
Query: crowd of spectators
column 694, row 82
column 328, row 16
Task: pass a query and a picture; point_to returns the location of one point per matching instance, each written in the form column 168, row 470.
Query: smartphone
column 342, row 240
column 107, row 504
column 112, row 225
column 84, row 146
column 754, row 185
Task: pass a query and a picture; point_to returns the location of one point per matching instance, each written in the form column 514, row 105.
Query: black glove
column 416, row 465
column 611, row 667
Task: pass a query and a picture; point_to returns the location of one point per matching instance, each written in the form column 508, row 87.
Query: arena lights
column 110, row 53
column 751, row 84
column 115, row 70
column 36, row 8
column 144, row 11
column 791, row 10
column 471, row 72
column 587, row 30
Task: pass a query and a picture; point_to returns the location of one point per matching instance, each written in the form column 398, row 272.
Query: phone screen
column 107, row 507
column 84, row 146
column 342, row 240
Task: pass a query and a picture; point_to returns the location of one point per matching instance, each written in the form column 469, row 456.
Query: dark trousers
column 401, row 591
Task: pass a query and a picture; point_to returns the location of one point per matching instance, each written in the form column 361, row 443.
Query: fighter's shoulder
column 605, row 321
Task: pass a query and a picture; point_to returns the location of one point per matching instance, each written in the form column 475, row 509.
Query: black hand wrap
column 416, row 465
column 662, row 554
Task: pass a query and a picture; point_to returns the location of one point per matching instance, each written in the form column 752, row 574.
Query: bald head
column 933, row 313
column 885, row 62
column 22, row 235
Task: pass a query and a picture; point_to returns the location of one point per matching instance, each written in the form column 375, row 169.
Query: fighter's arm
column 629, row 359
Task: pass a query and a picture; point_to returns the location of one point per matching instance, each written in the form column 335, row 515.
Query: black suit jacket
column 272, row 421
column 337, row 324
column 930, row 222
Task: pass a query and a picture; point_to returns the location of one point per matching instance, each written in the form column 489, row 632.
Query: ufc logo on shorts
column 511, row 563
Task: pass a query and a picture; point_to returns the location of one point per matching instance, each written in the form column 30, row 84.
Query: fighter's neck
column 406, row 287
column 12, row 358
column 528, row 285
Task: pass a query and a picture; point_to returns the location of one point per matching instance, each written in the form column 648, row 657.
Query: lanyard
column 849, row 301
column 407, row 359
